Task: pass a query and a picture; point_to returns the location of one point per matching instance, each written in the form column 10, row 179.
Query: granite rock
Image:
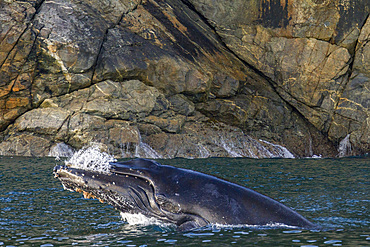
column 185, row 78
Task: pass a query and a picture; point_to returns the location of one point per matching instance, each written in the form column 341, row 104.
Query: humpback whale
column 183, row 197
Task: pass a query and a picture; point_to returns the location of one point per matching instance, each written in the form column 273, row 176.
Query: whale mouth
column 72, row 180
column 127, row 192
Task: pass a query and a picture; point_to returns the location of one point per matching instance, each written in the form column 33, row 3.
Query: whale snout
column 56, row 170
column 63, row 171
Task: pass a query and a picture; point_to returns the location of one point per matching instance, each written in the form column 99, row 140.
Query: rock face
column 185, row 78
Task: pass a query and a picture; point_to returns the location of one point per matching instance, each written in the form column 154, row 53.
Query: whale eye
column 167, row 205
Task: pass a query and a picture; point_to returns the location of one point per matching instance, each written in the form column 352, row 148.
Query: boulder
column 25, row 145
column 42, row 120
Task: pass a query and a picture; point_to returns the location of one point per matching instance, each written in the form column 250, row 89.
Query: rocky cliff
column 185, row 78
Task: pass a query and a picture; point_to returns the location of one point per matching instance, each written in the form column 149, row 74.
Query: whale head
column 137, row 186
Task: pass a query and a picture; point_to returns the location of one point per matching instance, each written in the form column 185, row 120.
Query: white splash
column 237, row 144
column 345, row 147
column 140, row 219
column 280, row 151
column 229, row 147
column 267, row 226
column 92, row 159
column 61, row 150
column 203, row 151
column 138, row 150
column 143, row 150
column 314, row 157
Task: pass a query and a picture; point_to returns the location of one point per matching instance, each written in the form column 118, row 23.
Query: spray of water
column 345, row 147
column 92, row 159
column 61, row 150
column 279, row 151
column 140, row 219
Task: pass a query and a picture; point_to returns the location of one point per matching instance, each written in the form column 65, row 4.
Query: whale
column 186, row 198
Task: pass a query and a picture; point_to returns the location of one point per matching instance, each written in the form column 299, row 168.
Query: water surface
column 334, row 193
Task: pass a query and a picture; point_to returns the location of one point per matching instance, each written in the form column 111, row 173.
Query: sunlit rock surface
column 165, row 79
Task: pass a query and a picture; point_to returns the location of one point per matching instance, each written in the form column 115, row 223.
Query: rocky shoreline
column 165, row 79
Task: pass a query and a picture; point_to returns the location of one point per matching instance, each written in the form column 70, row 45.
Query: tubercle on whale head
column 73, row 180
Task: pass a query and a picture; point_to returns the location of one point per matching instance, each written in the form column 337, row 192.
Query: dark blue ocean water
column 334, row 193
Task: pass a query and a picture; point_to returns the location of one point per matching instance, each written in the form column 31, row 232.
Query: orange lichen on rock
column 14, row 102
